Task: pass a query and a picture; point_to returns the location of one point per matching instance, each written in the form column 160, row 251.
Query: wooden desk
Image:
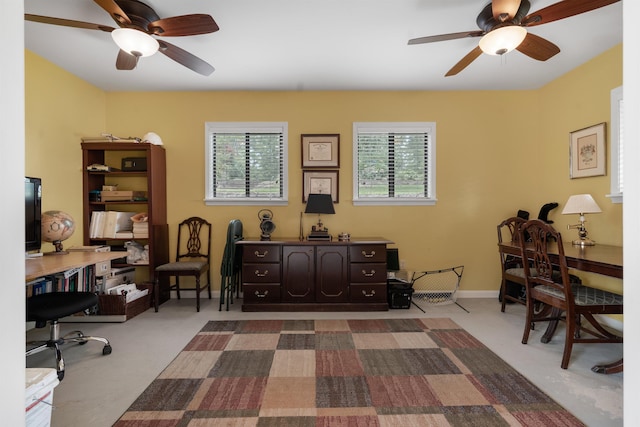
column 601, row 259
column 51, row 264
column 294, row 275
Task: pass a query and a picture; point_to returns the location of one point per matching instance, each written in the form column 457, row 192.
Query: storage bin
column 118, row 305
column 39, row 385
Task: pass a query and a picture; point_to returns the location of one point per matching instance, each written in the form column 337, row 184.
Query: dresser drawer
column 368, row 273
column 368, row 253
column 374, row 292
column 260, row 253
column 260, row 273
column 255, row 293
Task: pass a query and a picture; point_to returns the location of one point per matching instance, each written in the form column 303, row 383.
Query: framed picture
column 587, row 152
column 321, row 151
column 322, row 182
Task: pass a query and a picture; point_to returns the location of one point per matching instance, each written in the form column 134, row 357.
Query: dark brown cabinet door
column 298, row 268
column 331, row 274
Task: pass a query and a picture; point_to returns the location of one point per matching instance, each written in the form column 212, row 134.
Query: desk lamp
column 581, row 204
column 320, row 204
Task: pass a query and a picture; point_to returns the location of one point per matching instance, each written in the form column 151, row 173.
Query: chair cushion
column 54, row 305
column 185, row 266
column 584, row 295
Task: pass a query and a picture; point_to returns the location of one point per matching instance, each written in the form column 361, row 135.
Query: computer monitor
column 393, row 259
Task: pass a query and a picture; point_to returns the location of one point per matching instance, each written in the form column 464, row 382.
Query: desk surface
column 51, row 264
column 601, row 259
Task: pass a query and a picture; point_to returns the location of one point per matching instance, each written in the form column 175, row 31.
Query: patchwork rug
column 393, row 372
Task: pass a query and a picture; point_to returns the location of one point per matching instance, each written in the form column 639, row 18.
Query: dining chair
column 192, row 258
column 569, row 301
column 513, row 280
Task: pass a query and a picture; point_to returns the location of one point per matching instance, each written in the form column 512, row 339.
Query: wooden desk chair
column 557, row 291
column 192, row 258
column 511, row 265
column 51, row 307
column 231, row 263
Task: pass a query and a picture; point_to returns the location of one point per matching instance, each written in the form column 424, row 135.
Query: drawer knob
column 368, row 255
column 370, row 294
column 261, row 255
column 261, row 295
column 258, row 274
column 369, row 274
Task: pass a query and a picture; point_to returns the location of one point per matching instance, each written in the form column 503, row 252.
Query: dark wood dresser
column 294, row 275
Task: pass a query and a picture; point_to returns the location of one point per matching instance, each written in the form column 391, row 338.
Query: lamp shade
column 580, row 204
column 502, row 40
column 135, row 42
column 320, row 204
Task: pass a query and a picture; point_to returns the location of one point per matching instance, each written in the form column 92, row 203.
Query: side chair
column 558, row 292
column 192, row 258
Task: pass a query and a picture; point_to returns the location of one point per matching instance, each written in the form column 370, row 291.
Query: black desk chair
column 49, row 308
column 192, row 258
column 231, row 264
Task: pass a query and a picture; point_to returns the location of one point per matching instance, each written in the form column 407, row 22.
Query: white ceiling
column 319, row 45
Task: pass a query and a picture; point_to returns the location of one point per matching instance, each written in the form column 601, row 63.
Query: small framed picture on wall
column 320, row 182
column 587, row 152
column 320, row 150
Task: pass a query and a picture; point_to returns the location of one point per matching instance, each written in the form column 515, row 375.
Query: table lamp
column 320, row 204
column 581, row 204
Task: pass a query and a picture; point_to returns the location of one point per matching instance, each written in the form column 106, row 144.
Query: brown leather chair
column 511, row 265
column 569, row 301
column 192, row 258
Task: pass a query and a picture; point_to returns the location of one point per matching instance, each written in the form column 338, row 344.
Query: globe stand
column 59, row 250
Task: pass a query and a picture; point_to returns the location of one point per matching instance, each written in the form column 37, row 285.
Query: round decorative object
column 266, row 224
column 56, row 227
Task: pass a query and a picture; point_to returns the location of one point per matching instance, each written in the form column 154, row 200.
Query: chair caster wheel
column 60, row 375
column 106, row 350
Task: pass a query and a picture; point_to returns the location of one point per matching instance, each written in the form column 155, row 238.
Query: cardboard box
column 122, row 195
column 39, row 385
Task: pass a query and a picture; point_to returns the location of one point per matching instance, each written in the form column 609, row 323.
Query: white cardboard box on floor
column 39, row 385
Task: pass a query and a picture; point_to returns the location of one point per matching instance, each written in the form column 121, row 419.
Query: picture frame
column 320, row 150
column 325, row 181
column 587, row 152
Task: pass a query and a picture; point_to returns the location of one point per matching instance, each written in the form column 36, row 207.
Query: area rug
column 392, row 372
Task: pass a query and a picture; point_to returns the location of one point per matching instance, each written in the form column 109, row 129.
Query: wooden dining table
column 601, row 259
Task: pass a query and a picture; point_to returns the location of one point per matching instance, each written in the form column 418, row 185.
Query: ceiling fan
column 138, row 23
column 502, row 28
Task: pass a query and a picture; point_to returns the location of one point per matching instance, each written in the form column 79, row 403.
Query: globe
column 56, row 227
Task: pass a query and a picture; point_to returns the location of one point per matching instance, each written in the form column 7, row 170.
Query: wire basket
column 437, row 287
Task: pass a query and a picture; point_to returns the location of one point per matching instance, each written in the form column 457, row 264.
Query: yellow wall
column 497, row 152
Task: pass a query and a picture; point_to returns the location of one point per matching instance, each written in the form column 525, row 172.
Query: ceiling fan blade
column 185, row 58
column 464, row 62
column 114, row 10
column 67, row 22
column 185, row 25
column 443, row 37
column 126, row 61
column 504, row 9
column 538, row 48
column 563, row 9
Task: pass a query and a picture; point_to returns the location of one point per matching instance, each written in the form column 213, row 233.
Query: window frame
column 245, row 127
column 617, row 144
column 397, row 127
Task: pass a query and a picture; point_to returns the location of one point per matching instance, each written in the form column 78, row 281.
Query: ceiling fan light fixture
column 502, row 40
column 135, row 42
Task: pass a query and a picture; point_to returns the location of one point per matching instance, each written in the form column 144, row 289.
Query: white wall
column 12, row 313
column 631, row 226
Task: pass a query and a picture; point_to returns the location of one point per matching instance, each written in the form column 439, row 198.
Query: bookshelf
column 150, row 182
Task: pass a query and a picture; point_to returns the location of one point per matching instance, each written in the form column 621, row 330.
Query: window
column 246, row 163
column 617, row 145
column 394, row 163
